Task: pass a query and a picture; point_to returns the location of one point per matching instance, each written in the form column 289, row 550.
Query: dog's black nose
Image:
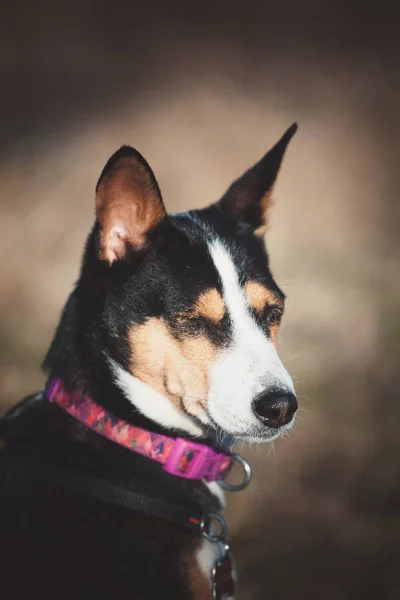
column 275, row 409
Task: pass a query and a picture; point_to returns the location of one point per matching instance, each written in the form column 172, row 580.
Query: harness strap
column 101, row 489
column 222, row 576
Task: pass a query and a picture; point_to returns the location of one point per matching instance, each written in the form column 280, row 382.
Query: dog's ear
column 249, row 198
column 128, row 204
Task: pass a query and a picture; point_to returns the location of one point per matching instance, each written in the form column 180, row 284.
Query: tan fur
column 261, row 231
column 238, row 203
column 273, row 333
column 210, row 305
column 128, row 207
column 260, row 296
column 266, row 204
column 178, row 369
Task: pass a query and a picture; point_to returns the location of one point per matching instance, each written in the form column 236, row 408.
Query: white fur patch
column 248, row 367
column 207, row 555
column 216, row 491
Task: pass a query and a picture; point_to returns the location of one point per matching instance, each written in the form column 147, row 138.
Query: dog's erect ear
column 128, row 204
column 249, row 197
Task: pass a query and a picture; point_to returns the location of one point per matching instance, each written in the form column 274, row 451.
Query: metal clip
column 247, row 476
column 206, row 528
column 223, row 576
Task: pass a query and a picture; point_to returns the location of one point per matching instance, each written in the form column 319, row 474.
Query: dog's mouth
column 254, row 434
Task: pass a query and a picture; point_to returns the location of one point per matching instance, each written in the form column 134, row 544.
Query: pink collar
column 178, row 456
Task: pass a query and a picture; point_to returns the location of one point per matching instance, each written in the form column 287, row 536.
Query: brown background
column 202, row 90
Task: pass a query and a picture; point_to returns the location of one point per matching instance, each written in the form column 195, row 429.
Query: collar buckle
column 197, row 461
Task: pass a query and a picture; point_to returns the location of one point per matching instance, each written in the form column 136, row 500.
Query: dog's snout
column 275, row 409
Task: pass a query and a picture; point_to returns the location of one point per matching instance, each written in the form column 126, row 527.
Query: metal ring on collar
column 206, row 523
column 247, row 476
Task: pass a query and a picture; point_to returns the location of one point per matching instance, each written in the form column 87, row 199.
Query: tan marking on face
column 260, row 296
column 210, row 305
column 273, row 333
column 178, row 369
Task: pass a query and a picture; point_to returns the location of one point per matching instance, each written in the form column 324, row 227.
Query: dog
column 164, row 357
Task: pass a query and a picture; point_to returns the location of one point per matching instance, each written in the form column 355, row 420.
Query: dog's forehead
column 247, row 254
column 182, row 274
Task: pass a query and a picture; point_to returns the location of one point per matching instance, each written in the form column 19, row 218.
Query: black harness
column 20, row 472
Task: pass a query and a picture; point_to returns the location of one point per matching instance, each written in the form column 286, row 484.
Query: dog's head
column 189, row 309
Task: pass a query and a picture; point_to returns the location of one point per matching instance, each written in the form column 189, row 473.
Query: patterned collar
column 179, row 457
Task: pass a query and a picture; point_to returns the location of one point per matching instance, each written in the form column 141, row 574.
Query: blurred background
column 203, row 90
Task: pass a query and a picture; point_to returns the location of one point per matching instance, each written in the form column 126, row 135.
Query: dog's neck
column 91, row 370
column 129, row 399
column 60, row 439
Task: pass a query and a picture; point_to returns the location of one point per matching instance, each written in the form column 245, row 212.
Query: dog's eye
column 272, row 314
column 196, row 325
column 190, row 325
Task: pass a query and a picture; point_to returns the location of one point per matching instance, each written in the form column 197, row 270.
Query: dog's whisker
column 272, row 450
